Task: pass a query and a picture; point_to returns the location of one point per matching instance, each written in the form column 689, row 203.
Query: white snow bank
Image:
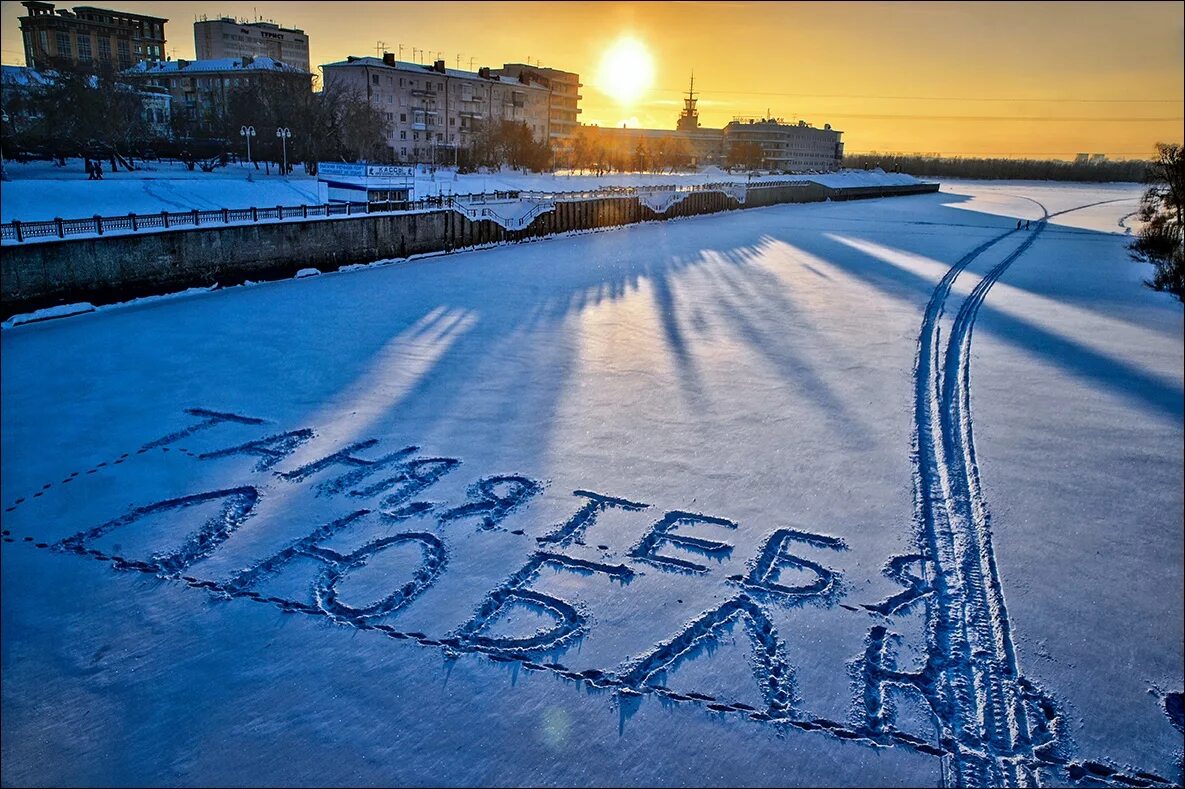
column 47, row 313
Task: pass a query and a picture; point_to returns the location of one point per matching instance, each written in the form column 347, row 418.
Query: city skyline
column 1021, row 80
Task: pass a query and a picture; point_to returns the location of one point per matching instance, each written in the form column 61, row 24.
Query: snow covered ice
column 870, row 493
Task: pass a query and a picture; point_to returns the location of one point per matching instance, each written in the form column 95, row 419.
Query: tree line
column 996, row 168
column 93, row 110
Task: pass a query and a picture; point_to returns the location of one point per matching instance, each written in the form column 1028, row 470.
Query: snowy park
column 880, row 492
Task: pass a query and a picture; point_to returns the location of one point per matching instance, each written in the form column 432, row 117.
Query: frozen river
column 873, row 493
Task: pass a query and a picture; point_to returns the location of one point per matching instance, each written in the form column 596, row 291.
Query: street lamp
column 284, row 133
column 248, row 132
column 3, row 120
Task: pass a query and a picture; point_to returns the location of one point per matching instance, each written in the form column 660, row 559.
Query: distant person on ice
column 98, row 170
column 90, row 170
column 1018, row 224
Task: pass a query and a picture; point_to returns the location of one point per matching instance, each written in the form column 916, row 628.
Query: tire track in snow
column 972, row 678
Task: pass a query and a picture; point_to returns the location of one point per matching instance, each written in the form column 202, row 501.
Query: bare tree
column 1161, row 240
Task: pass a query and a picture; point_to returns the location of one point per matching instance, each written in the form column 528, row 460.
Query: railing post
column 348, row 208
column 305, row 209
column 226, row 216
column 16, row 227
column 279, row 212
column 196, row 219
column 98, row 224
column 132, row 216
column 254, row 214
column 61, row 231
column 164, row 218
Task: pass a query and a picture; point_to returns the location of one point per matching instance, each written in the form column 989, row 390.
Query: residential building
column 89, row 34
column 434, row 112
column 226, row 37
column 788, row 146
column 201, row 89
column 563, row 101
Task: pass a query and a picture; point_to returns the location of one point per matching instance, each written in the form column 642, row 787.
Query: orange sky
column 1014, row 79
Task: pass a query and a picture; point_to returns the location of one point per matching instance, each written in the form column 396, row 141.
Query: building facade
column 793, row 147
column 225, row 37
column 563, row 111
column 435, row 112
column 89, row 35
column 200, row 90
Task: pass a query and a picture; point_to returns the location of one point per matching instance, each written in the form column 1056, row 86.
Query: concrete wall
column 108, row 269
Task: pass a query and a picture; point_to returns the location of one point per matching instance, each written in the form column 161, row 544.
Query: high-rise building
column 89, row 34
column 434, row 111
column 226, row 37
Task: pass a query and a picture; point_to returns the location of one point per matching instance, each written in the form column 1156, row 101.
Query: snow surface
column 747, row 377
column 41, row 191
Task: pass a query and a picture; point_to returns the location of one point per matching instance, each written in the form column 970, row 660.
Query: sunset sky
column 1009, row 79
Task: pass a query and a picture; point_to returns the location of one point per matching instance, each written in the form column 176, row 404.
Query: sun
column 626, row 71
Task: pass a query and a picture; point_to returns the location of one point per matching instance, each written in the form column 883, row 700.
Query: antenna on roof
column 471, row 62
column 379, row 48
column 401, row 51
column 458, row 61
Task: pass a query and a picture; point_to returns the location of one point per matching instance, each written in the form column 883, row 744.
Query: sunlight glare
column 626, row 71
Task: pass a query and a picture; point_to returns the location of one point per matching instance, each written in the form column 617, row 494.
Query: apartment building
column 435, row 111
column 89, row 34
column 201, row 89
column 563, row 109
column 788, row 146
column 226, row 37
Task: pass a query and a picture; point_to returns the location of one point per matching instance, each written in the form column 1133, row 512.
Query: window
column 84, row 47
column 403, row 135
column 415, row 136
column 452, row 121
column 374, row 78
column 403, row 151
column 43, row 36
column 104, row 48
column 403, row 117
column 63, row 42
column 439, row 137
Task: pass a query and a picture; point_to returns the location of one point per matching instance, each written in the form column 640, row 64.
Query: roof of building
column 23, row 76
column 548, row 71
column 419, row 68
column 133, row 14
column 62, row 13
column 260, row 23
column 216, row 65
column 777, row 124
